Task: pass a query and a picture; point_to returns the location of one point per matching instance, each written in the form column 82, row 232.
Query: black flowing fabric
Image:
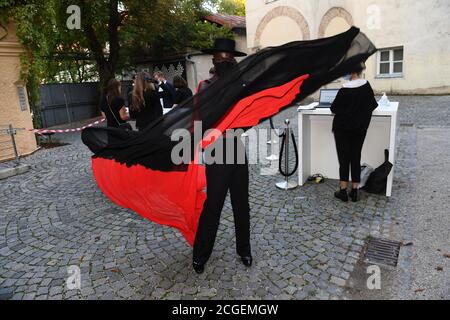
column 135, row 170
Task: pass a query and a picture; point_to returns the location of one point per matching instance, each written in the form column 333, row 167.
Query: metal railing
column 287, row 136
column 8, row 146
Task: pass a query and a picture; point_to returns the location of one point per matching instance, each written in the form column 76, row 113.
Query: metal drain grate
column 382, row 251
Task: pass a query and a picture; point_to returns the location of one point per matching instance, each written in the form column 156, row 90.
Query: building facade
column 413, row 36
column 14, row 106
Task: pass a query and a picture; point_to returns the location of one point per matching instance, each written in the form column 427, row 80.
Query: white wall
column 421, row 27
column 199, row 71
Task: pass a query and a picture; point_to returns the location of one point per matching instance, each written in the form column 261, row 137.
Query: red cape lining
column 175, row 198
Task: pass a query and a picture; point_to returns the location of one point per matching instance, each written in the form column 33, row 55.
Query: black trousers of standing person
column 221, row 178
column 349, row 145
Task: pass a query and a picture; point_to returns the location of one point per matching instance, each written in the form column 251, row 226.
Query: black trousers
column 349, row 145
column 221, row 178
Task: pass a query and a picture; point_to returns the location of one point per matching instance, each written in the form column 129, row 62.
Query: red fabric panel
column 200, row 86
column 173, row 199
column 176, row 199
column 249, row 111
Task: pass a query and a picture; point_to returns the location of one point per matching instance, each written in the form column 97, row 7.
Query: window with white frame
column 390, row 62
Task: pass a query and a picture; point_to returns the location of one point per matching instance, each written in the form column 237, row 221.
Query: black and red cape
column 135, row 169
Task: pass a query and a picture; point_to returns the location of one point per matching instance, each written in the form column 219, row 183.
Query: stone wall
column 10, row 109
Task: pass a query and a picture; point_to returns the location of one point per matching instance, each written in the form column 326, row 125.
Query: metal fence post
column 67, row 107
column 12, row 132
column 287, row 185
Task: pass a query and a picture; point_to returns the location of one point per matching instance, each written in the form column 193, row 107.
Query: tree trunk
column 106, row 73
column 106, row 66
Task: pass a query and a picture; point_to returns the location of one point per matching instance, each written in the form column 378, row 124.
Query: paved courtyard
column 306, row 245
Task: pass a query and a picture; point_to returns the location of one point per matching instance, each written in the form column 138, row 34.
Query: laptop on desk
column 327, row 97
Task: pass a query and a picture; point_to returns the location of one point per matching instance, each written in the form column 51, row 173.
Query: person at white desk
column 353, row 109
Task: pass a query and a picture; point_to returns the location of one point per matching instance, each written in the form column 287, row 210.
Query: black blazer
column 182, row 94
column 169, row 94
column 113, row 119
column 149, row 111
column 353, row 108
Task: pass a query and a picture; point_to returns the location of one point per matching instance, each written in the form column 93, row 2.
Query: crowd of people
column 146, row 100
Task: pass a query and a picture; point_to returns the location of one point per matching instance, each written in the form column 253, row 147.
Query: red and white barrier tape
column 43, row 131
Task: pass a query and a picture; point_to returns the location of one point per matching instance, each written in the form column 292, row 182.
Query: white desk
column 317, row 148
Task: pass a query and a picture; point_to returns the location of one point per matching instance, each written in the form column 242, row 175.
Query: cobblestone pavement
column 306, row 245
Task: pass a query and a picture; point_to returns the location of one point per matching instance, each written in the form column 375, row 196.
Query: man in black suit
column 222, row 177
column 167, row 101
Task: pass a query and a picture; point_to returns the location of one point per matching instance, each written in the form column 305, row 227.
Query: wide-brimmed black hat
column 224, row 45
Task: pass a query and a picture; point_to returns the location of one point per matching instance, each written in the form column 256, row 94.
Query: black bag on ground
column 378, row 179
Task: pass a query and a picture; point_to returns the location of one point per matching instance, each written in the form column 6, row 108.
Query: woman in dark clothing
column 145, row 102
column 182, row 92
column 353, row 109
column 113, row 105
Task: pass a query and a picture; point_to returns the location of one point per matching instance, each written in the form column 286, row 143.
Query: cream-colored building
column 413, row 36
column 14, row 106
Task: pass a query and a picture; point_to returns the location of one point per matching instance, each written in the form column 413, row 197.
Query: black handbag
column 125, row 126
column 378, row 179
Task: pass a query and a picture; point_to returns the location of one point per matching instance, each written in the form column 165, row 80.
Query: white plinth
column 317, row 148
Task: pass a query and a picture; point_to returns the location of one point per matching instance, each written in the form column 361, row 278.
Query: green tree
column 233, row 7
column 113, row 33
column 167, row 29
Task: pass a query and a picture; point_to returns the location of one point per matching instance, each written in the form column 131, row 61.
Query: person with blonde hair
column 165, row 86
column 145, row 105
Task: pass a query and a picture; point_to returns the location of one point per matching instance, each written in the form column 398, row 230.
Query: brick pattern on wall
column 283, row 11
column 335, row 12
column 10, row 112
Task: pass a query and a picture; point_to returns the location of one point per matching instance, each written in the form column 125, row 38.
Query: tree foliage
column 233, row 7
column 113, row 35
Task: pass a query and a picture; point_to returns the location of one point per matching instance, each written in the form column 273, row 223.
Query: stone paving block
column 338, row 281
column 294, row 235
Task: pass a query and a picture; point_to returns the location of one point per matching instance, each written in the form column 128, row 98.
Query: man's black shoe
column 247, row 261
column 199, row 268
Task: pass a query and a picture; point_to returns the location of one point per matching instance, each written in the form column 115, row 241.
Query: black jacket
column 112, row 111
column 182, row 94
column 169, row 95
column 353, row 108
column 149, row 111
